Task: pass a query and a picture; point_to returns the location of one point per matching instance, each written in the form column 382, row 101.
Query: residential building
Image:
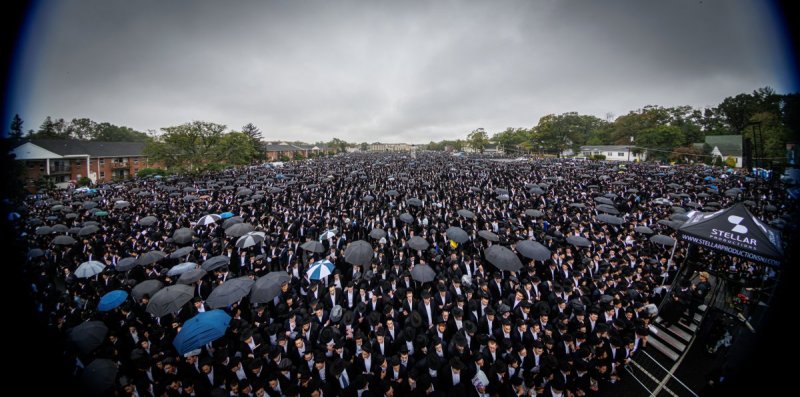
column 391, row 147
column 611, row 152
column 490, row 148
column 724, row 146
column 64, row 160
column 274, row 151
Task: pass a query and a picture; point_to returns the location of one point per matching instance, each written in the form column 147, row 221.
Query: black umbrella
column 534, row 213
column 183, row 236
column 239, row 230
column 643, row 230
column 418, row 243
column 392, row 193
column 266, row 288
column 610, row 219
column 313, row 246
column 679, row 217
column 99, row 376
column 406, row 217
column 607, row 209
column 43, row 230
column 35, row 253
column 230, row 292
column 503, row 258
column 579, row 241
column 147, row 287
column 148, row 221
column 663, row 240
column 671, row 224
column 125, row 264
column 358, row 253
column 64, row 240
column 150, row 257
column 87, row 336
column 191, row 276
column 169, row 299
column 414, row 202
column 215, row 262
column 604, row 200
column 234, row 220
column 180, row 252
column 577, row 205
column 59, row 228
column 88, row 230
column 423, row 273
column 533, row 250
column 488, row 235
column 536, row 190
column 377, row 234
column 368, row 198
column 466, row 213
column 457, row 234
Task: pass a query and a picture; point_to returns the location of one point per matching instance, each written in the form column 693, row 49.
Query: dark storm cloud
column 388, row 71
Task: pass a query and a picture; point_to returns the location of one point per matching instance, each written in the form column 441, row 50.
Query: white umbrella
column 208, row 219
column 89, row 269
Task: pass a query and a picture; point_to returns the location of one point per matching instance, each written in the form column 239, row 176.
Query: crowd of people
column 565, row 324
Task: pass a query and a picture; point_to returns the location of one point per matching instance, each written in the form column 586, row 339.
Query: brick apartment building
column 273, row 151
column 64, row 160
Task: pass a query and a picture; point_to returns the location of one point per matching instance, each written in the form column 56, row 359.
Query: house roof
column 72, row 147
column 728, row 145
column 606, row 148
column 281, row 147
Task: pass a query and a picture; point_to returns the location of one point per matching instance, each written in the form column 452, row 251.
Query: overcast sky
column 390, row 71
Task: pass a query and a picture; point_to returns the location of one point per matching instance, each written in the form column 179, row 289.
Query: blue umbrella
column 111, row 300
column 320, row 270
column 201, row 329
column 226, row 215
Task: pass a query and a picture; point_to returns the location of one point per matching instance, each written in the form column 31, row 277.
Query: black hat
column 338, row 367
column 456, row 363
column 348, row 317
column 470, row 327
column 416, row 320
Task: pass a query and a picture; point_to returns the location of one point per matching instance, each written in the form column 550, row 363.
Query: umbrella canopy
column 414, row 202
column 368, row 198
column 610, row 219
column 671, row 224
column 534, row 213
column 239, row 229
column 181, row 268
column 250, row 239
column 169, row 300
column 64, row 240
column 148, row 221
column 533, row 250
column 234, row 220
column 88, row 230
column 121, row 204
column 320, row 269
column 180, row 252
column 358, row 253
column 607, row 209
column 89, row 269
column 191, row 276
column 99, row 376
column 423, row 273
column 327, row 234
column 457, row 234
column 579, row 241
column 418, row 243
column 679, row 217
column 313, row 246
column 112, row 300
column 643, row 230
column 43, row 230
column 150, row 257
column 230, row 292
column 377, row 234
column 208, row 219
column 503, row 258
column 663, row 240
column 577, row 205
column 201, row 329
column 147, row 287
column 406, row 217
column 393, row 193
column 488, row 235
column 466, row 213
column 183, row 235
column 604, row 200
column 35, row 253
column 59, row 228
column 216, row 262
column 87, row 336
column 268, row 287
column 226, row 215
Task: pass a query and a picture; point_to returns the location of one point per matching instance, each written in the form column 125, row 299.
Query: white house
column 724, row 146
column 611, row 152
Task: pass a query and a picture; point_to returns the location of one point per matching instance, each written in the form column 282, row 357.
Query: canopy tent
column 734, row 231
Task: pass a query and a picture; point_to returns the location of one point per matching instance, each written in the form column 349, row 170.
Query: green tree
column 83, row 128
column 235, row 148
column 48, row 130
column 254, row 135
column 478, row 139
column 556, row 133
column 107, row 132
column 338, row 145
column 16, row 132
column 189, row 146
column 660, row 140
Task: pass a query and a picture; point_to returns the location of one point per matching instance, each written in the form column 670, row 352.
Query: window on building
column 102, row 161
column 102, row 174
column 621, row 154
column 136, row 160
column 610, row 154
column 77, row 162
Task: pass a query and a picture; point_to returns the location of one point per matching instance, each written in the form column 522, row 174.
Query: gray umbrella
column 230, row 292
column 604, row 200
column 150, row 257
column 577, row 205
column 536, row 190
column 148, row 221
column 180, row 252
column 503, row 258
column 423, row 273
column 169, row 300
column 679, row 217
column 89, row 205
column 313, row 246
column 215, row 262
column 488, row 235
column 64, row 240
column 59, row 228
column 533, row 250
column 733, row 192
column 414, row 202
column 392, row 193
column 43, row 230
column 671, row 224
column 406, row 217
column 87, row 336
column 475, row 189
column 266, row 288
column 534, row 213
column 183, row 236
column 181, row 268
column 610, row 219
column 579, row 241
column 191, row 276
column 99, row 376
column 125, row 264
column 607, row 209
column 663, row 240
column 250, row 239
column 466, row 213
column 368, row 198
column 121, row 204
column 35, row 253
column 457, row 234
column 418, row 243
column 358, row 253
column 88, row 230
column 643, row 230
column 377, row 234
column 678, row 210
column 147, row 287
column 234, row 220
column 239, row 230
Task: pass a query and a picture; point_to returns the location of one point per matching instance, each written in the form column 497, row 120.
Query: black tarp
column 734, row 231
